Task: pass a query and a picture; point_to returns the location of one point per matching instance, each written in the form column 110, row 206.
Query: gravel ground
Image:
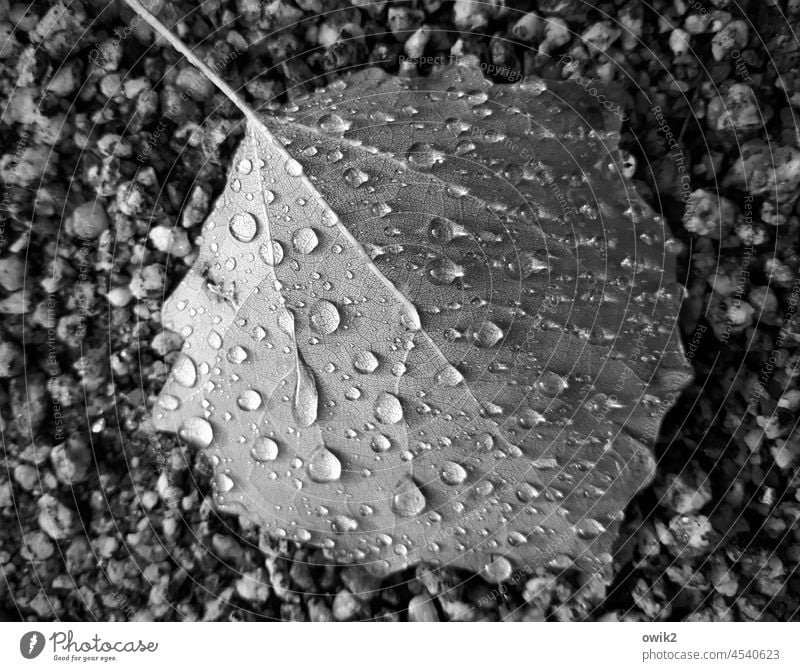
column 106, row 168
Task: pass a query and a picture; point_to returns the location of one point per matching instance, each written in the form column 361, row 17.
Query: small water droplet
column 306, row 398
column 243, row 226
column 355, row 177
column 324, row 317
column 443, row 271
column 324, row 466
column 237, row 354
column 444, row 230
column 305, row 240
column 388, row 409
column 250, row 400
column 488, row 334
column 197, row 431
column 271, row 253
column 169, row 402
column 407, row 499
column 185, row 372
column 264, row 449
column 452, row 473
column 380, row 443
column 244, row 166
column 448, row 377
column 365, row 362
column 352, row 393
column 214, row 339
column 223, row 482
column 293, row 168
column 333, row 123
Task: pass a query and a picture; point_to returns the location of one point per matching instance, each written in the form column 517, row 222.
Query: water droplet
column 488, row 334
column 305, row 240
column 498, row 570
column 333, row 123
column 444, row 230
column 550, row 383
column 399, row 369
column 525, row 265
column 324, row 317
column 237, row 354
column 224, row 483
column 365, row 362
column 264, row 449
column 452, row 473
column 293, row 168
column 306, row 397
column 380, row 443
column 243, row 226
column 407, row 500
column 185, row 372
column 169, row 402
column 324, row 466
column 448, row 377
column 423, row 156
column 380, row 209
column 214, row 339
column 244, row 166
column 352, row 393
column 388, row 409
column 355, row 177
column 271, row 253
column 249, row 400
column 197, row 431
column 443, row 271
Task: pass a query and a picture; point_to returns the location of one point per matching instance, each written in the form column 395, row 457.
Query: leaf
column 430, row 321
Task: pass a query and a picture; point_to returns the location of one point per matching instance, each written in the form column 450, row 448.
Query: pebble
column 88, row 221
column 422, row 609
column 710, row 214
column 686, row 492
column 55, row 519
column 71, row 459
column 172, row 241
column 345, row 606
column 11, row 359
column 12, row 273
column 27, row 477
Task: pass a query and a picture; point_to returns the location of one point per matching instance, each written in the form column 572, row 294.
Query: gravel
column 109, row 171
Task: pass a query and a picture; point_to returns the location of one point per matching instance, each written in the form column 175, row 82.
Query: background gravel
column 109, row 171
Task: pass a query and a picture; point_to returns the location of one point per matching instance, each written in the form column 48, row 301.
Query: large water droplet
column 407, row 499
column 453, row 473
column 550, row 383
column 249, row 400
column 388, row 408
column 525, row 265
column 355, row 177
column 293, row 168
column 243, row 226
column 380, row 443
column 306, row 398
column 305, row 240
column 271, row 253
column 324, row 466
column 445, row 230
column 223, row 482
column 197, row 431
column 443, row 271
column 423, row 156
column 324, row 317
column 184, row 371
column 237, row 354
column 264, row 449
column 365, row 362
column 244, row 166
column 448, row 377
column 498, row 570
column 488, row 334
column 169, row 402
column 333, row 123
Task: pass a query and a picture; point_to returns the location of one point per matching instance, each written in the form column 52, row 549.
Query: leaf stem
column 185, row 51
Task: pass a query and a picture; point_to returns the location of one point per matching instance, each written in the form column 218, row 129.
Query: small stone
column 172, row 241
column 422, row 609
column 190, row 80
column 27, row 477
column 345, row 606
column 686, row 492
column 710, row 214
column 55, row 519
column 12, row 273
column 11, row 359
column 71, row 460
column 88, row 221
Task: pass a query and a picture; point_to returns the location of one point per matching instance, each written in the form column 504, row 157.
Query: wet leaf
column 449, row 331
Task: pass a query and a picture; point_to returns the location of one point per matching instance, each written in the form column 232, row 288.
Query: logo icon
column 31, row 644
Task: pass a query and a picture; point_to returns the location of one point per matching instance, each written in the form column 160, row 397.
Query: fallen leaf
column 430, row 321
